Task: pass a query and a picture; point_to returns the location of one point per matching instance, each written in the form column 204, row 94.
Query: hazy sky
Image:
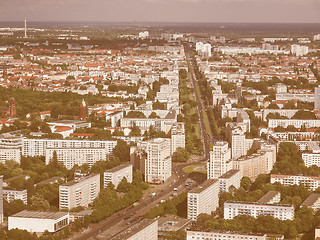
column 286, row 11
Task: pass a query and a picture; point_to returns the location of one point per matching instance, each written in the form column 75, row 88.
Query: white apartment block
column 203, row 199
column 37, row 147
column 145, row 229
column 252, row 166
column 116, row 174
column 79, row 192
column 220, row 160
column 297, row 123
column 72, row 156
column 316, row 37
column 311, row 182
column 194, row 234
column 158, row 165
column 283, row 112
column 302, row 97
column 299, row 50
column 178, row 137
column 230, row 178
column 145, row 123
column 253, row 209
column 10, row 195
column 7, row 154
column 311, row 159
column 38, row 222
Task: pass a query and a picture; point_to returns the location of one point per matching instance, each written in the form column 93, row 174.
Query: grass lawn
column 191, row 168
column 206, row 123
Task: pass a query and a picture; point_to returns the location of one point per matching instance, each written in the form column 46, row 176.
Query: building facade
column 178, row 137
column 310, row 182
column 230, row 178
column 194, row 234
column 203, row 199
column 116, row 174
column 11, row 194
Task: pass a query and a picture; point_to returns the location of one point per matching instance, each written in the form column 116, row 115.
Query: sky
column 244, row 11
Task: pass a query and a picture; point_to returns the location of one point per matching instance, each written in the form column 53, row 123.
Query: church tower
column 83, row 110
column 12, row 107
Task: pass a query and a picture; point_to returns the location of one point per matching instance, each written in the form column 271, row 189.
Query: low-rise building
column 253, row 209
column 313, row 201
column 270, row 197
column 116, row 174
column 194, row 234
column 311, row 159
column 7, row 154
column 39, row 222
column 310, row 182
column 230, row 178
column 203, row 199
column 145, row 229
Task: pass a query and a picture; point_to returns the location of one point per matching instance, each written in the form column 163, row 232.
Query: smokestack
column 25, row 28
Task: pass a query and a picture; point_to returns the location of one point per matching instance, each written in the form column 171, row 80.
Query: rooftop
column 313, row 197
column 127, row 233
column 117, row 168
column 229, row 174
column 260, row 204
column 268, row 196
column 37, row 214
column 203, row 186
column 73, row 182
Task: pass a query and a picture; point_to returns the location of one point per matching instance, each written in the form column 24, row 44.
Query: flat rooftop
column 203, row 186
column 127, row 233
column 73, row 182
column 227, row 232
column 229, row 174
column 265, row 204
column 117, row 168
column 41, row 215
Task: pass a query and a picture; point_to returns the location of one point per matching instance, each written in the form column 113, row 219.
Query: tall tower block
column 12, row 107
column 25, row 28
column 83, row 110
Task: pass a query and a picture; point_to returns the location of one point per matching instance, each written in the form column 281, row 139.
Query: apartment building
column 220, row 160
column 253, row 165
column 12, row 194
column 302, row 97
column 160, row 124
column 195, row 234
column 230, row 178
column 203, row 199
column 253, row 209
column 289, row 113
column 157, row 163
column 116, row 174
column 7, row 154
column 312, row 201
column 178, row 137
column 270, row 197
column 79, row 192
column 297, row 123
column 311, row 182
column 72, row 156
column 299, row 50
column 311, row 159
column 37, row 147
column 317, row 97
column 1, row 199
column 145, row 229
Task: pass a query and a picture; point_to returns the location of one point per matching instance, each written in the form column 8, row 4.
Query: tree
column 290, row 105
column 122, row 151
column 135, row 131
column 158, row 105
column 180, row 155
column 153, row 115
column 39, row 203
column 124, row 186
column 245, row 183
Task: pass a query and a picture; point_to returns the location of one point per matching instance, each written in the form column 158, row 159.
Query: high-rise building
column 157, row 165
column 229, row 179
column 116, row 174
column 220, row 160
column 79, row 192
column 83, row 110
column 299, row 50
column 178, row 137
column 203, row 199
column 12, row 107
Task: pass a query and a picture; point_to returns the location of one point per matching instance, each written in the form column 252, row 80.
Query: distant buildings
column 38, row 222
column 203, row 199
column 299, row 50
column 297, row 123
column 316, row 37
column 145, row 229
column 116, row 174
column 178, row 137
column 144, row 34
column 203, row 49
column 79, row 192
column 253, row 209
column 310, row 182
